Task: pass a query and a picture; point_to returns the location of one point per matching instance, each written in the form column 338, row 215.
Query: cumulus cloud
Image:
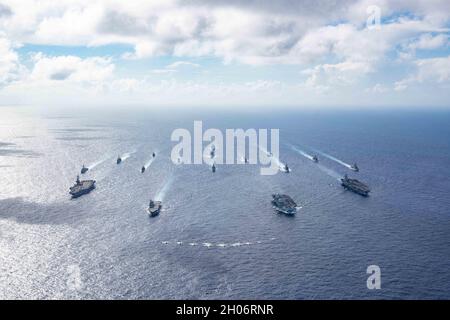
column 10, row 68
column 433, row 70
column 327, row 41
column 93, row 70
column 254, row 32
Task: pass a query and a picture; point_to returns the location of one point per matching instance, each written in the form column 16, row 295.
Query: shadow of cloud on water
column 8, row 149
column 26, row 212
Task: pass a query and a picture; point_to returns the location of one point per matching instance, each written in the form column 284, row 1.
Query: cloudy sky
column 235, row 53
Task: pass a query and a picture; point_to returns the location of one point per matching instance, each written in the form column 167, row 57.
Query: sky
column 232, row 54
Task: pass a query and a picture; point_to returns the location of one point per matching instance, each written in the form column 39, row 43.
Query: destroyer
column 284, row 204
column 213, row 168
column 142, row 169
column 154, row 208
column 354, row 167
column 119, row 160
column 315, row 159
column 84, row 169
column 81, row 187
column 355, row 186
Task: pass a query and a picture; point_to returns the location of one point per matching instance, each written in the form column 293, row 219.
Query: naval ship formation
column 281, row 203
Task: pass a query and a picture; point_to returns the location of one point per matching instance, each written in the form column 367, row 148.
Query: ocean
column 218, row 236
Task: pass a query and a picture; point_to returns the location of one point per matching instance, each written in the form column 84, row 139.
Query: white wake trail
column 162, row 193
column 126, row 155
column 301, row 152
column 280, row 164
column 149, row 163
column 349, row 166
column 95, row 164
column 324, row 169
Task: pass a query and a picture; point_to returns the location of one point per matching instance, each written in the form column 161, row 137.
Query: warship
column 284, row 204
column 355, row 186
column 213, row 168
column 119, row 160
column 245, row 160
column 154, row 155
column 315, row 159
column 142, row 169
column 154, row 208
column 354, row 167
column 81, row 187
column 286, row 168
column 84, row 169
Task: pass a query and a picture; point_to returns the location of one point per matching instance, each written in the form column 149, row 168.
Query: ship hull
column 360, row 192
column 82, row 193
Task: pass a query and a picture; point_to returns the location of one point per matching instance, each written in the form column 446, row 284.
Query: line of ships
column 281, row 203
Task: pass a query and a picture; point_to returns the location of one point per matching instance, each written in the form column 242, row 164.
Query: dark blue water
column 218, row 236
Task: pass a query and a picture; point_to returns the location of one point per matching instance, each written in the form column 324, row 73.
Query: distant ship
column 84, row 169
column 154, row 208
column 154, row 155
column 315, row 159
column 355, row 186
column 354, row 167
column 286, row 168
column 213, row 168
column 284, row 204
column 81, row 187
column 119, row 160
column 245, row 160
column 142, row 169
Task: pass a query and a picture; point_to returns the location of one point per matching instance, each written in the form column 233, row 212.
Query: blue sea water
column 218, row 236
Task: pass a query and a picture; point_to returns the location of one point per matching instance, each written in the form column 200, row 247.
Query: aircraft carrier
column 154, row 208
column 284, row 204
column 355, row 186
column 81, row 187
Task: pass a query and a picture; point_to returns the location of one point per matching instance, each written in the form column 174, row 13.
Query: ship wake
column 301, row 152
column 97, row 163
column 349, row 166
column 281, row 165
column 162, row 193
column 207, row 244
column 322, row 168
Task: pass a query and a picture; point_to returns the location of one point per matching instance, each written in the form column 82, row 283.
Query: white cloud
column 93, row 70
column 433, row 70
column 10, row 68
column 327, row 39
column 253, row 32
column 178, row 64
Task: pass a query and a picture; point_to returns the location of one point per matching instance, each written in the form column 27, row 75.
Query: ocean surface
column 218, row 236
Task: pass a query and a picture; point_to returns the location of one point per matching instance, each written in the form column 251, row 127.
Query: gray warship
column 355, row 186
column 81, row 187
column 213, row 168
column 354, row 167
column 154, row 208
column 315, row 159
column 284, row 204
column 119, row 160
column 143, row 169
column 84, row 169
